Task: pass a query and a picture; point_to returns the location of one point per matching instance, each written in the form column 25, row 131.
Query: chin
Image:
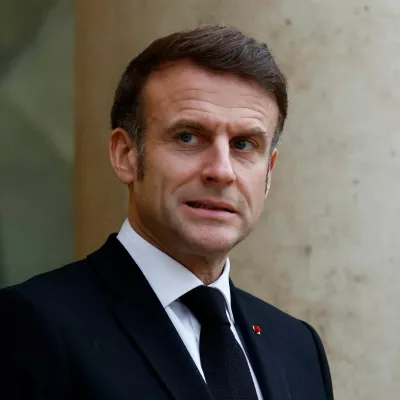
column 210, row 242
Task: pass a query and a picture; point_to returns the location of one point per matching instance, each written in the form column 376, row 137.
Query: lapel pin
column 257, row 329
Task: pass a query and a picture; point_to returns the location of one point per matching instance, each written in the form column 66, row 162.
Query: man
column 152, row 314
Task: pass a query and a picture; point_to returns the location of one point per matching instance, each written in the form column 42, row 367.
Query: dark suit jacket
column 96, row 330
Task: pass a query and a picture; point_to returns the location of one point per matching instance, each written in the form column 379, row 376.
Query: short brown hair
column 219, row 48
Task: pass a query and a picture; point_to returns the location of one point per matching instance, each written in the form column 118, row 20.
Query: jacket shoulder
column 251, row 302
column 51, row 290
column 283, row 324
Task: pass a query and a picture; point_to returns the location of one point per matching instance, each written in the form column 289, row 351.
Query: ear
column 272, row 162
column 123, row 155
column 271, row 167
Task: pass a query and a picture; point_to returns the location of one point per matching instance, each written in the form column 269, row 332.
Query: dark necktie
column 222, row 359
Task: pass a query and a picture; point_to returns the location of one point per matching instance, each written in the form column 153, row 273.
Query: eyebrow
column 254, row 132
column 185, row 124
column 192, row 124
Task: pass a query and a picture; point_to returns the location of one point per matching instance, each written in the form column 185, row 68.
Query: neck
column 207, row 268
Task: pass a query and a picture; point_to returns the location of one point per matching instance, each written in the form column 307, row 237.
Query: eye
column 187, row 138
column 243, row 144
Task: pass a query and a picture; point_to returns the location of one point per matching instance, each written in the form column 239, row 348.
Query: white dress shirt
column 170, row 280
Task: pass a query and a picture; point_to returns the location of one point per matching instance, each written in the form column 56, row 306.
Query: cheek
column 166, row 180
column 255, row 182
column 255, row 194
column 259, row 196
column 178, row 169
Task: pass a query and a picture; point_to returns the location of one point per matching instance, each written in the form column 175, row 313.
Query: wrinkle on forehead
column 185, row 86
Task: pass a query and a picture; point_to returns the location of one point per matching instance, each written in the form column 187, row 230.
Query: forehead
column 185, row 88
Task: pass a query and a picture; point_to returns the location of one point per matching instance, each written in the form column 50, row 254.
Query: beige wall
column 327, row 247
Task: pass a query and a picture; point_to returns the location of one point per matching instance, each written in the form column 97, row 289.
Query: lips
column 209, row 205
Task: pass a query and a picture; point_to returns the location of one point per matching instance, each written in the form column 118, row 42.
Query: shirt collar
column 169, row 279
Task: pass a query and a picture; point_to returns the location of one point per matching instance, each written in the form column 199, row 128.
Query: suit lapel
column 263, row 350
column 135, row 305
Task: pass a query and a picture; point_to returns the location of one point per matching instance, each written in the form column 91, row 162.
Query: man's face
column 207, row 142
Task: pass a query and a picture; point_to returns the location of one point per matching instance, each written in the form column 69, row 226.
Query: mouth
column 211, row 206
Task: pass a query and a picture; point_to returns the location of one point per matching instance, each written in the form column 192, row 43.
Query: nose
column 218, row 167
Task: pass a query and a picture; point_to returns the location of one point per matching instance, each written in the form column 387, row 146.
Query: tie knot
column 207, row 304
